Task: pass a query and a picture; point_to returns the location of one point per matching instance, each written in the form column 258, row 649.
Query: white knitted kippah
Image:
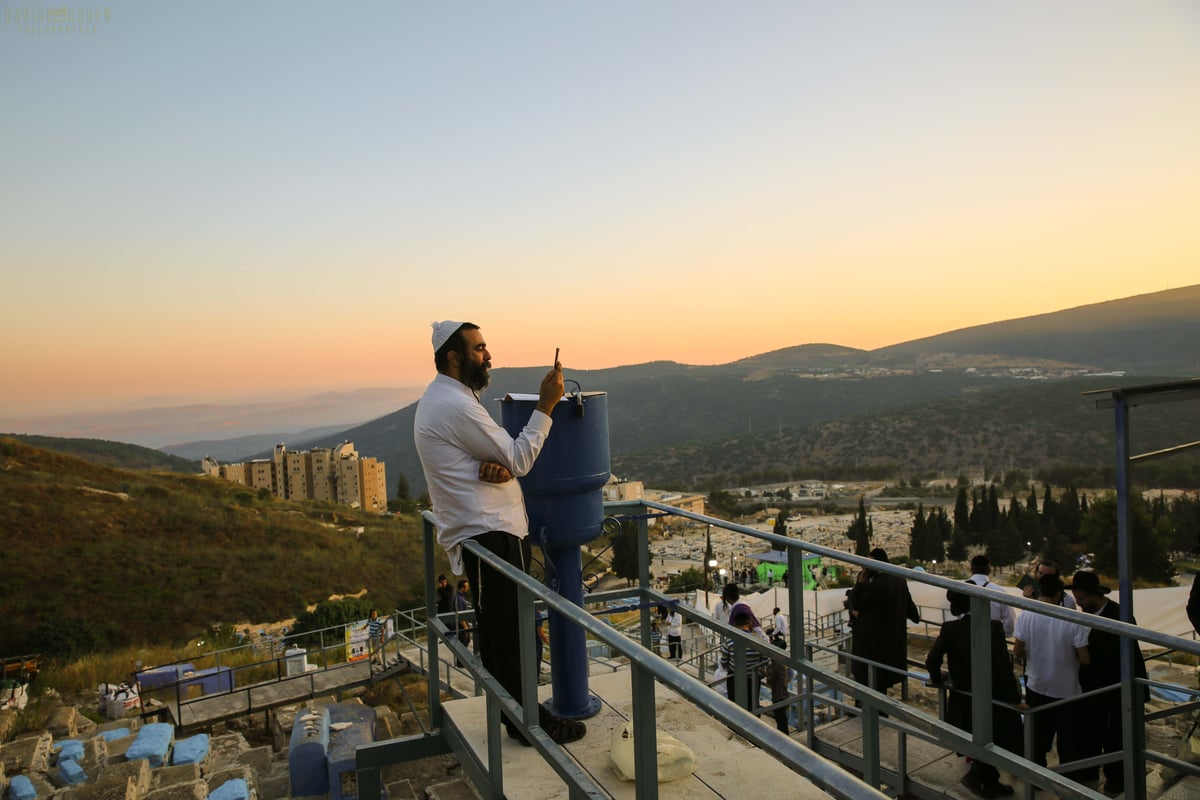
column 442, row 331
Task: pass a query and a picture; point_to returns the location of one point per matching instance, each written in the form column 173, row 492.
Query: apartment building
column 339, row 475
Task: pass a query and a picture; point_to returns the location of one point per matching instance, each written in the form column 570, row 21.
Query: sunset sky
column 206, row 201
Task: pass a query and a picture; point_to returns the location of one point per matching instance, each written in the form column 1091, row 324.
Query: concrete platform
column 729, row 767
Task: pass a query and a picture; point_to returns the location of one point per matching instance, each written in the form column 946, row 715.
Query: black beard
column 476, row 377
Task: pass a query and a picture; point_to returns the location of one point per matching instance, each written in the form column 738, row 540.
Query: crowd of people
column 1061, row 661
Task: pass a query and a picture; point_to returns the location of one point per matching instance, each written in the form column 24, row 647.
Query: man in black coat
column 879, row 604
column 1103, row 712
column 954, row 644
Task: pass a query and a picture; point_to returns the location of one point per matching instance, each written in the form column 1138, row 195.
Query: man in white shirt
column 1052, row 650
column 980, row 569
column 779, row 623
column 675, row 633
column 470, row 462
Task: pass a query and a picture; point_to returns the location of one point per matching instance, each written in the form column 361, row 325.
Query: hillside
column 1150, row 334
column 109, row 556
column 112, row 454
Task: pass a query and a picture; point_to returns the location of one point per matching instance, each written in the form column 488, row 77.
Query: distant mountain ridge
column 660, row 411
column 1149, row 334
column 163, row 425
column 242, row 447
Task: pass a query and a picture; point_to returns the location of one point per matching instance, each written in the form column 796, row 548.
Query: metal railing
column 820, row 687
column 1135, row 753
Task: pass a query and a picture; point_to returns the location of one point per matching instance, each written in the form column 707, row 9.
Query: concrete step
column 453, row 789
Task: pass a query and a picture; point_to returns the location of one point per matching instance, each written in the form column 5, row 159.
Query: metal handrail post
column 495, row 759
column 981, row 670
column 810, row 703
column 870, row 738
column 796, row 600
column 643, row 545
column 1028, row 754
column 525, row 653
column 645, row 737
column 431, row 635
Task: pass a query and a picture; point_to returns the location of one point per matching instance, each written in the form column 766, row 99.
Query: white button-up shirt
column 454, row 435
column 1000, row 612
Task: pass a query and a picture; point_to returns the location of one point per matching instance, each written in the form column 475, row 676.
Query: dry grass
column 183, row 553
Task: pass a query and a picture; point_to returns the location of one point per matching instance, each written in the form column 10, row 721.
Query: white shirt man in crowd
column 980, row 569
column 469, row 462
column 1052, row 649
column 780, row 624
column 675, row 633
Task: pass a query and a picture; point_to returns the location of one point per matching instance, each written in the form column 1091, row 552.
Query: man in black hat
column 1103, row 712
column 879, row 604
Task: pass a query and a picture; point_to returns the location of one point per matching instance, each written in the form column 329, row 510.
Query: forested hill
column 1031, row 427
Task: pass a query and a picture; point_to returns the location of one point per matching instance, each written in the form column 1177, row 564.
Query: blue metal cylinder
column 564, row 497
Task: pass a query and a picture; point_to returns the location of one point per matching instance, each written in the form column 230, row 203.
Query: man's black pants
column 498, row 633
column 1063, row 723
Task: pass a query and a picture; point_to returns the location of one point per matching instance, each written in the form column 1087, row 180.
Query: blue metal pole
column 568, row 643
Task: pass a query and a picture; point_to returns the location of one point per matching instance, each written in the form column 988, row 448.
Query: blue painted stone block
column 115, row 733
column 70, row 772
column 153, row 742
column 69, row 750
column 192, row 750
column 21, row 788
column 235, row 789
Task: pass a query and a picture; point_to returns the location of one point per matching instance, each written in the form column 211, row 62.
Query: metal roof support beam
column 1120, row 401
column 1133, row 731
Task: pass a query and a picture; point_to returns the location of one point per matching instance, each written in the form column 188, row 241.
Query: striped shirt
column 754, row 658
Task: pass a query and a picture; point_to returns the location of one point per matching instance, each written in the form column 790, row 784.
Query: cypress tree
column 1006, row 547
column 958, row 545
column 917, row 546
column 975, row 523
column 993, row 508
column 962, row 516
column 938, row 526
column 860, row 530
